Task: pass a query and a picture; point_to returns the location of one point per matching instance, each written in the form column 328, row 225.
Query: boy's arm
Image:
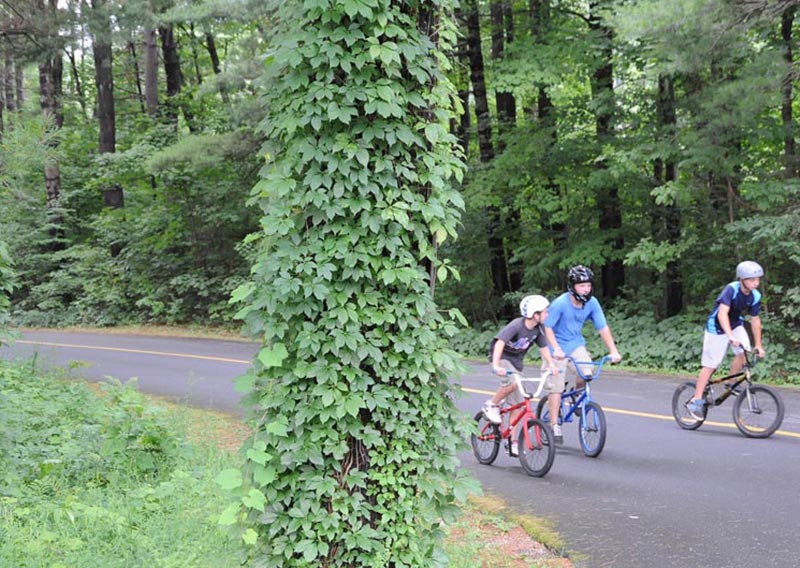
column 725, row 323
column 558, row 353
column 755, row 327
column 608, row 339
column 548, row 360
column 497, row 354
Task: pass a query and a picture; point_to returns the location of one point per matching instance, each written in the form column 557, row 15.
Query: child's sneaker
column 514, row 451
column 492, row 412
column 696, row 408
column 557, row 434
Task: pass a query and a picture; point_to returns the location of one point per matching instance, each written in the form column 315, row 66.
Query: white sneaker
column 514, row 449
column 557, row 434
column 492, row 412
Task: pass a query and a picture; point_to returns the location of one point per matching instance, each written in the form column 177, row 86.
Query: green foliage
column 101, row 481
column 352, row 462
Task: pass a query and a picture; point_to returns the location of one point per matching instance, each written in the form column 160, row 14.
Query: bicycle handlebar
column 541, row 380
column 598, row 364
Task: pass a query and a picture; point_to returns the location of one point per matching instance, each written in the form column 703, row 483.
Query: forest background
column 655, row 142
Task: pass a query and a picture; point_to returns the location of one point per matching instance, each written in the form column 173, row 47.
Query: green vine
column 353, row 460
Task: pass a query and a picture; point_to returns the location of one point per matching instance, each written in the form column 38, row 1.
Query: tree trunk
column 613, row 271
column 8, row 82
column 211, row 47
column 137, row 75
column 151, row 71
column 19, row 78
column 669, row 216
column 478, row 81
column 506, row 105
column 789, row 146
column 51, row 70
column 76, row 80
column 172, row 68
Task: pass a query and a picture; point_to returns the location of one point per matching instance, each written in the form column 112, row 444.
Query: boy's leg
column 740, row 334
column 714, row 348
column 554, row 386
column 491, row 409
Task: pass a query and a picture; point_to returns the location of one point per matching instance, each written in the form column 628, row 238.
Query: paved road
column 657, row 497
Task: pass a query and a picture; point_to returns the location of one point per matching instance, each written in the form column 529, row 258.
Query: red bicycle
column 536, row 445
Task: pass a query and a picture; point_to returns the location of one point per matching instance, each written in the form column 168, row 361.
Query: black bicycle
column 757, row 411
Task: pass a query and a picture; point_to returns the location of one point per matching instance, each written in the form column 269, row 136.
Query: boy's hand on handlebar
column 615, row 357
column 559, row 354
column 760, row 353
column 500, row 371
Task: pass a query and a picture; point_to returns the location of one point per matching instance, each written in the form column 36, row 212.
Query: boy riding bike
column 725, row 326
column 507, row 352
column 563, row 327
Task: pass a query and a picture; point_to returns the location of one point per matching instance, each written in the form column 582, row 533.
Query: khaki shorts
column 566, row 371
column 716, row 345
column 515, row 397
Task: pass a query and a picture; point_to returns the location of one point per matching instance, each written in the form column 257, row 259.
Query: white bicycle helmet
column 530, row 305
column 749, row 269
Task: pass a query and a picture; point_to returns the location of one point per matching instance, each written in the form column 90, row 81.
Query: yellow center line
column 139, row 351
column 649, row 415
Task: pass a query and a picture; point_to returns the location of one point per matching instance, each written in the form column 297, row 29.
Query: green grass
column 103, row 481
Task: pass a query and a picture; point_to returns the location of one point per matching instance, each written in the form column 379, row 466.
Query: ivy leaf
column 245, row 383
column 229, row 479
column 274, row 356
column 230, row 515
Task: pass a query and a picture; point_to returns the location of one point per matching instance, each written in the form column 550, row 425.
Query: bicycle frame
column 505, row 432
column 745, row 375
column 584, row 393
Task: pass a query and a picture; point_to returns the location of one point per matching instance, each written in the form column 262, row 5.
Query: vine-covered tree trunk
column 613, row 271
column 354, row 434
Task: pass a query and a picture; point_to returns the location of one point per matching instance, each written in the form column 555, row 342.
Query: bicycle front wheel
column 592, row 429
column 537, row 449
column 758, row 412
column 685, row 419
column 486, row 441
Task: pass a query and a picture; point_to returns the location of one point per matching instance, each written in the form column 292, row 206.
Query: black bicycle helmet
column 577, row 275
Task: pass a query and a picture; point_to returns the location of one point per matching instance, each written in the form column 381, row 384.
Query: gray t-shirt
column 518, row 339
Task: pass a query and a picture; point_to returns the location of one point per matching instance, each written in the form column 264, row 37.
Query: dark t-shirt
column 518, row 339
column 740, row 305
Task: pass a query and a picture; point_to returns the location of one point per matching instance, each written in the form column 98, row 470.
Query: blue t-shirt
column 740, row 305
column 567, row 321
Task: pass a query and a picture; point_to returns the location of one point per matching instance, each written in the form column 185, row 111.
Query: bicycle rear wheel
column 537, row 449
column 758, row 412
column 683, row 394
column 592, row 429
column 486, row 441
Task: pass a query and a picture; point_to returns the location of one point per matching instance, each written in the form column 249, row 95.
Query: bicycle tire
column 486, row 441
column 764, row 417
column 683, row 394
column 537, row 459
column 593, row 429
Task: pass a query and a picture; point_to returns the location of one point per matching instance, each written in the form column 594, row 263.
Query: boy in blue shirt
column 564, row 330
column 725, row 326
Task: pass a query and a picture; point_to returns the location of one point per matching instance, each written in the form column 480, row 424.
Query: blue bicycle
column 578, row 402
